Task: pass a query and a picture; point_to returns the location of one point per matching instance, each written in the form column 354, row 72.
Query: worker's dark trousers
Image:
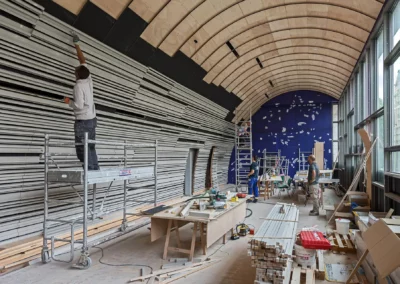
column 89, row 126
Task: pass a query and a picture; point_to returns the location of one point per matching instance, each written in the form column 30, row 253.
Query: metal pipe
column 120, row 144
column 155, row 173
column 85, row 193
column 65, row 221
column 46, row 194
column 124, row 220
column 94, row 202
column 63, row 201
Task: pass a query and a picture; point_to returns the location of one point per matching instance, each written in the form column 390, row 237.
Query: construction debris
column 171, row 274
column 271, row 249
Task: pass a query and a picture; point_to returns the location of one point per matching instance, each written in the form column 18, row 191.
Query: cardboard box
column 374, row 217
column 369, row 273
column 384, row 247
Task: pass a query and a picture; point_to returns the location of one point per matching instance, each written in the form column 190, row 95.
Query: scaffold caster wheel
column 45, row 256
column 84, row 262
column 123, row 227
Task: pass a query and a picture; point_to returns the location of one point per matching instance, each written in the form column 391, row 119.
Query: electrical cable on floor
column 251, row 213
column 122, row 264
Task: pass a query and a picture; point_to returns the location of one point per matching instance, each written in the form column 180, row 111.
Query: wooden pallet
column 317, row 269
column 342, row 243
column 302, row 276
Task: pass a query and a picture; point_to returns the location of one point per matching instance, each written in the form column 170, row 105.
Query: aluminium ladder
column 82, row 177
column 243, row 154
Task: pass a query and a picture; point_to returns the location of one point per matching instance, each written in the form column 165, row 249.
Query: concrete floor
column 136, row 248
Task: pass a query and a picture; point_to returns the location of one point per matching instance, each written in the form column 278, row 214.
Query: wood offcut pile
column 271, row 248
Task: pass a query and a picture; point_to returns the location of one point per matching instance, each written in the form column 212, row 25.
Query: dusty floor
column 135, row 248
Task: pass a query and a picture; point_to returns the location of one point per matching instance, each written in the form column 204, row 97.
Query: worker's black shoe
column 255, row 200
column 314, row 213
column 249, row 201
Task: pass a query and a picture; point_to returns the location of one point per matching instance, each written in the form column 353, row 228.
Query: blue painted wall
column 289, row 122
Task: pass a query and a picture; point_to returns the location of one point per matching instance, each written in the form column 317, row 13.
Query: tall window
column 396, row 103
column 335, row 132
column 379, row 150
column 395, row 21
column 366, row 95
column 379, row 71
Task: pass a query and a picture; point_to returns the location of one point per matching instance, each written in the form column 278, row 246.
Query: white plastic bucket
column 304, row 257
column 342, row 226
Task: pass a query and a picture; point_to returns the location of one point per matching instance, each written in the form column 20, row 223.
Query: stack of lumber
column 271, row 248
column 134, row 103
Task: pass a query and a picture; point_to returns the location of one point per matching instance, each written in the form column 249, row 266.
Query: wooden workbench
column 269, row 183
column 211, row 229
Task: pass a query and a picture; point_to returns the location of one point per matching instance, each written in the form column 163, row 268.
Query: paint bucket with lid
column 342, row 226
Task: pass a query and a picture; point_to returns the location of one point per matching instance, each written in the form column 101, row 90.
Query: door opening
column 189, row 172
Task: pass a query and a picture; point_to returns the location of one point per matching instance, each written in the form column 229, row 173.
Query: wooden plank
column 114, row 8
column 147, row 10
column 389, row 214
column 166, row 245
column 310, row 277
column 186, row 209
column 320, row 272
column 319, row 154
column 339, row 240
column 296, row 276
column 349, row 244
column 74, row 7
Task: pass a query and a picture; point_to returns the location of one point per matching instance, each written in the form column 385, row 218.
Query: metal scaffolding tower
column 83, row 178
column 243, row 152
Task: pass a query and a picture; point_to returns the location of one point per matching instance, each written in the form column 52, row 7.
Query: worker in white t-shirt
column 84, row 109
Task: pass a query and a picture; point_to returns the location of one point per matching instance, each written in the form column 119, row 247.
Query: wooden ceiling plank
column 246, row 105
column 247, row 83
column 112, row 8
column 218, row 75
column 355, row 35
column 74, row 7
column 191, row 24
column 233, row 86
column 146, row 9
column 166, row 20
column 364, row 22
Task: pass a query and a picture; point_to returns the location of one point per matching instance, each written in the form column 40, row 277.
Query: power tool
column 242, row 230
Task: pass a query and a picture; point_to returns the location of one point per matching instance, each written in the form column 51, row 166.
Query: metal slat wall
column 134, row 103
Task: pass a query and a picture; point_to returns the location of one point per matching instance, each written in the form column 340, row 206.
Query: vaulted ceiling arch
column 244, row 44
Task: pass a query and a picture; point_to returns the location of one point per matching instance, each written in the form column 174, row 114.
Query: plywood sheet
column 146, row 9
column 74, row 7
column 113, row 8
column 165, row 21
column 319, row 154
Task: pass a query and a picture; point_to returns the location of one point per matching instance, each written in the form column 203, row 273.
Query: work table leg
column 193, row 244
column 203, row 238
column 178, row 239
column 167, row 239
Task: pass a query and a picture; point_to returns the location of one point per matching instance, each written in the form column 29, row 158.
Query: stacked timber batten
column 134, row 103
column 271, row 248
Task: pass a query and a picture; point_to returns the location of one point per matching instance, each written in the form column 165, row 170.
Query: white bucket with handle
column 304, row 257
column 342, row 226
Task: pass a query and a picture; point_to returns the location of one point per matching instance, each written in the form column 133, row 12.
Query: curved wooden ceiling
column 259, row 49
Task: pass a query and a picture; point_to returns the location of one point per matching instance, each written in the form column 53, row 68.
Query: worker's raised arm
column 79, row 52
